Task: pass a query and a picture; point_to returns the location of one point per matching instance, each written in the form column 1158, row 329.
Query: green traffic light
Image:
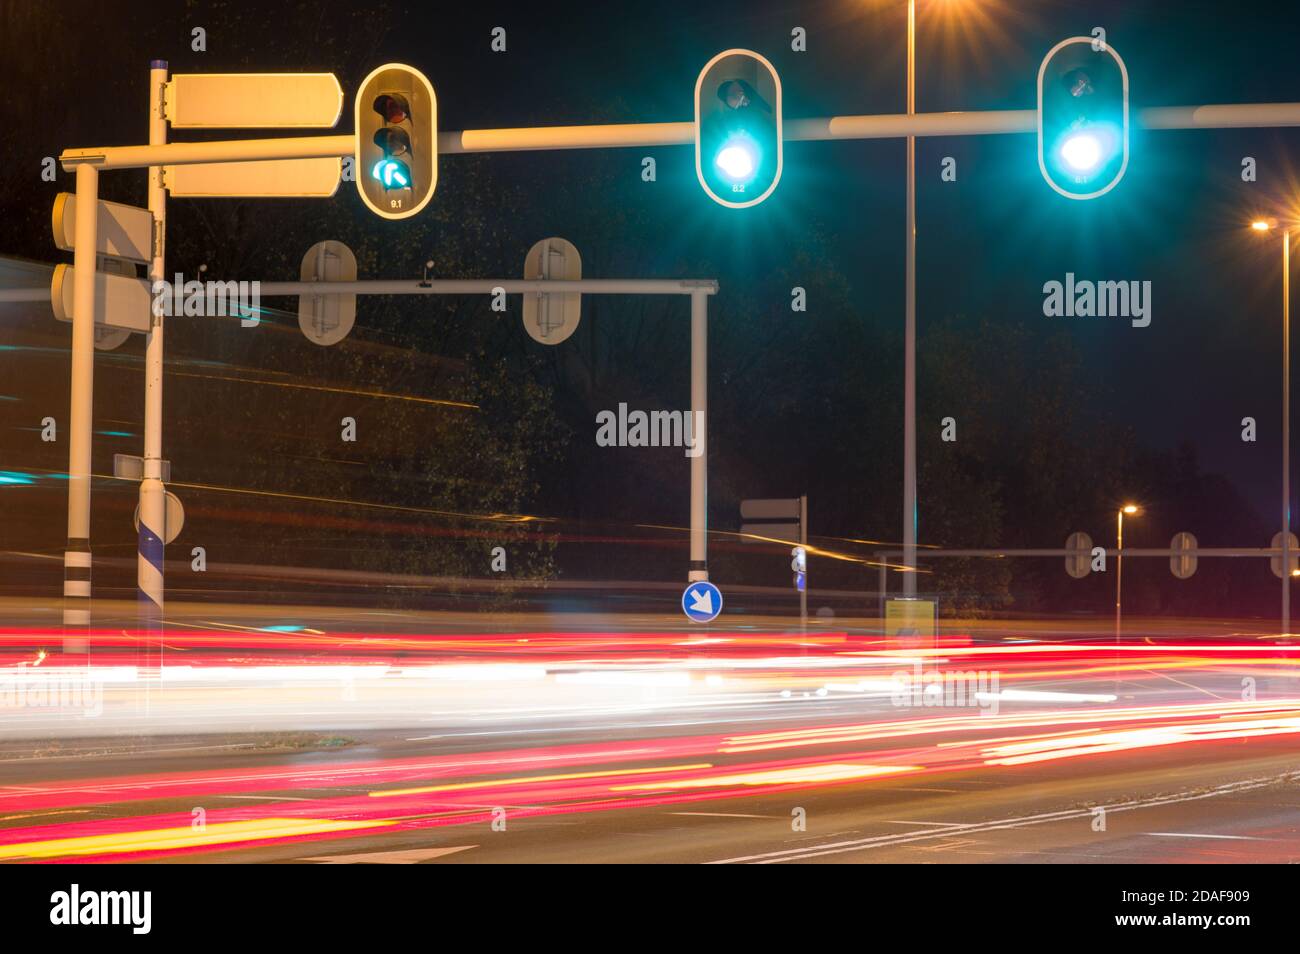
column 1082, row 118
column 392, row 174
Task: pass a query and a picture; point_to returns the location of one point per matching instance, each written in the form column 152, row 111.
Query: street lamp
column 1131, row 510
column 909, row 330
column 1264, row 225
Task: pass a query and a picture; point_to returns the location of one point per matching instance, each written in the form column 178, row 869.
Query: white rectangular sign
column 120, row 302
column 781, row 508
column 123, row 231
column 268, row 178
column 253, row 100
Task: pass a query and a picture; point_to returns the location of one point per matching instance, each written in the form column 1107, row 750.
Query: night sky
column 987, row 242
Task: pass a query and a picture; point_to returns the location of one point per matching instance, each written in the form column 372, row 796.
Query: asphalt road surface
column 242, row 739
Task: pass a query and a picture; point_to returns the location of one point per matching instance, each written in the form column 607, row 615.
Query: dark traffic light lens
column 394, row 108
column 394, row 142
column 734, row 93
column 1078, row 83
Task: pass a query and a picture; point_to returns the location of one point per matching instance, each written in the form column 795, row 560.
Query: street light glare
column 1131, row 509
column 1081, row 152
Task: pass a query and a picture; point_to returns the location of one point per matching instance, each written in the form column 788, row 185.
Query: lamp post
column 1132, row 510
column 909, row 333
column 1266, row 225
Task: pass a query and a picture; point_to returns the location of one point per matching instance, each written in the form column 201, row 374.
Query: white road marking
column 409, row 856
column 1185, row 834
column 936, row 824
column 880, row 841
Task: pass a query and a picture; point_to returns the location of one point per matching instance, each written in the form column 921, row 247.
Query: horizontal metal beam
column 924, row 554
column 629, row 135
column 187, row 153
column 24, row 294
column 487, row 286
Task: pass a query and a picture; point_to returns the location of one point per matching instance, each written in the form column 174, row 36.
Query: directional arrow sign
column 701, row 602
column 120, row 302
column 122, row 231
column 253, row 100
column 266, row 178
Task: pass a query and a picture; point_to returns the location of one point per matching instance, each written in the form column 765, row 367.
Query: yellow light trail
column 570, row 777
column 833, row 772
column 493, row 517
column 381, row 395
column 168, row 839
column 808, row 547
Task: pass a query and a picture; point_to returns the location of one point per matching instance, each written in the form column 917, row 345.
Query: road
column 271, row 741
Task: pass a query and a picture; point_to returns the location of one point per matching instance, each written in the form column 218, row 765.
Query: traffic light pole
column 1286, row 432
column 153, row 499
column 76, row 555
column 909, row 329
column 699, row 566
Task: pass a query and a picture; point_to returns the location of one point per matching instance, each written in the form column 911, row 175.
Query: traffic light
column 738, row 150
column 396, row 150
column 1082, row 118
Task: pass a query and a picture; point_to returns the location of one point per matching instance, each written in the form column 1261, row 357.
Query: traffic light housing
column 738, row 147
column 396, row 148
column 1082, row 118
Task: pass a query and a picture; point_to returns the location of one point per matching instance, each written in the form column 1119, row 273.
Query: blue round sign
column 702, row 602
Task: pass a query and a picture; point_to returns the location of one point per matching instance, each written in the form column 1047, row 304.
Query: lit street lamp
column 1266, row 225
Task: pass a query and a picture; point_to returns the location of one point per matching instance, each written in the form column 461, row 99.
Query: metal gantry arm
column 630, row 135
column 699, row 290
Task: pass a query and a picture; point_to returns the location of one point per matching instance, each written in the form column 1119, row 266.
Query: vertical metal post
column 803, row 542
column 1119, row 567
column 699, row 565
column 882, row 584
column 153, row 500
column 1286, row 431
column 909, row 336
column 76, row 555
